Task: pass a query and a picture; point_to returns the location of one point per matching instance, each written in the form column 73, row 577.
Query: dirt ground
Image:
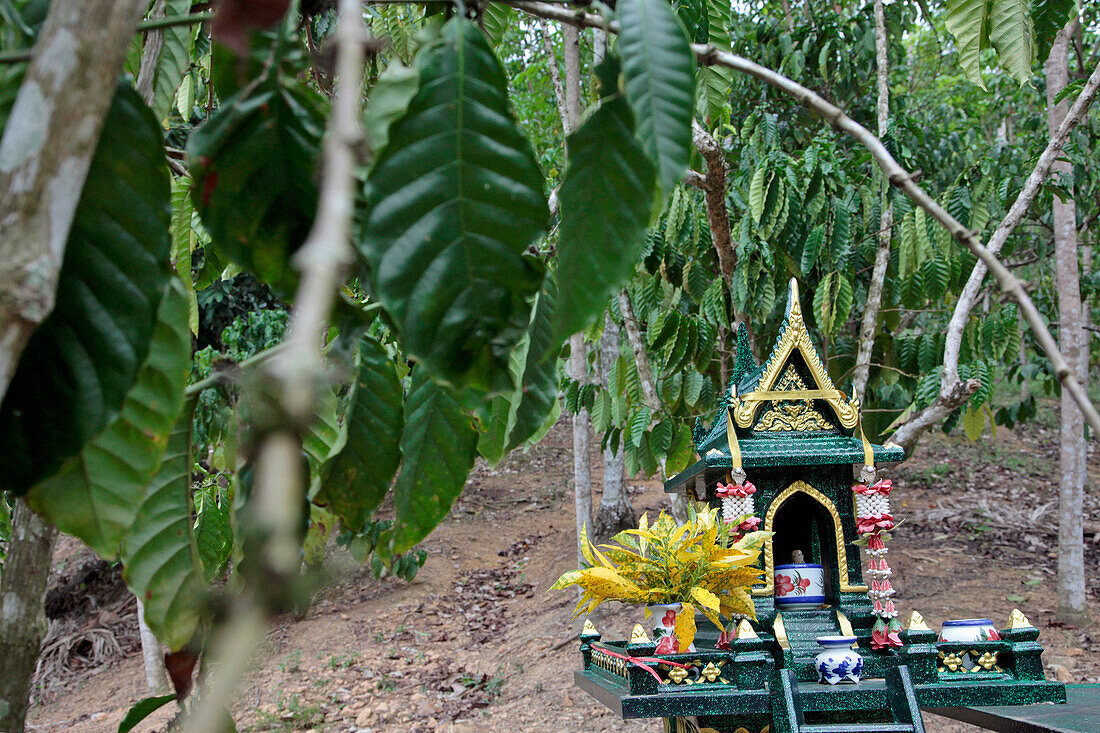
column 476, row 642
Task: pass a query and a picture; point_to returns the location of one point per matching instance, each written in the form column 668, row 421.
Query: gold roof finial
column 745, row 630
column 1017, row 620
column 792, row 298
column 637, row 636
column 917, row 623
column 589, row 629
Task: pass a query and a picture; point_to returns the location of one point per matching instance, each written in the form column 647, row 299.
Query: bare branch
column 869, row 325
column 45, row 152
column 907, row 434
column 298, row 371
column 555, row 73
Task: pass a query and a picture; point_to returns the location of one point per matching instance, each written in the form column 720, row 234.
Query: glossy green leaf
column 321, row 440
column 833, row 302
column 811, row 248
column 389, row 99
column 213, row 530
column 358, row 477
column 1012, row 34
column 439, row 444
column 83, row 360
column 254, row 169
column 160, row 561
column 1049, row 17
column 142, row 709
column 606, row 199
column 539, row 384
column 183, row 245
column 659, row 78
column 452, row 204
column 495, row 19
column 966, row 21
column 174, row 59
column 95, row 495
column 681, row 453
column 715, row 81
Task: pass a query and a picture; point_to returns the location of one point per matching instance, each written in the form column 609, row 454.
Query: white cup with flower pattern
column 799, row 586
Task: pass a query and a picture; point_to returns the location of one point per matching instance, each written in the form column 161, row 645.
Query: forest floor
column 476, row 643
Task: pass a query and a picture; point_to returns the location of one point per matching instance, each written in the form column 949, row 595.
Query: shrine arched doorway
column 803, row 518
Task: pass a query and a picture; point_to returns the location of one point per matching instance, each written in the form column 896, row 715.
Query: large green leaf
column 439, row 444
column 95, row 495
column 160, row 562
column 83, row 360
column 1049, row 17
column 606, row 199
column 174, row 59
column 715, row 81
column 389, row 100
column 1013, row 36
column 213, row 530
column 358, row 477
column 659, row 76
column 452, row 203
column 539, row 385
column 254, row 165
column 966, row 22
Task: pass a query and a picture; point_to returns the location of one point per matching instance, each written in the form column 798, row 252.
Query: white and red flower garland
column 737, row 505
column 873, row 518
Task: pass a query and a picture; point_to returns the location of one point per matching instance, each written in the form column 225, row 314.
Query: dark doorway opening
column 803, row 523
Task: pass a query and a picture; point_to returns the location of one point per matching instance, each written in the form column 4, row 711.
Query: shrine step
column 856, row 728
column 899, row 703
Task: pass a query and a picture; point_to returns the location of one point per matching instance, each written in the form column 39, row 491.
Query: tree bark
column 156, row 677
column 677, row 503
column 22, row 619
column 578, row 360
column 154, row 42
column 45, row 152
column 615, row 512
column 869, row 326
column 1071, row 488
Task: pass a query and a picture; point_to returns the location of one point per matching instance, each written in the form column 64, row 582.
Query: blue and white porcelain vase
column 838, row 662
column 799, row 586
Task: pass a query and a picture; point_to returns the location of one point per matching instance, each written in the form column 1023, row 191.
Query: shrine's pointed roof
column 786, row 411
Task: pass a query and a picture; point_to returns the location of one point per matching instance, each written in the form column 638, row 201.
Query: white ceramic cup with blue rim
column 966, row 630
column 838, row 661
column 799, row 586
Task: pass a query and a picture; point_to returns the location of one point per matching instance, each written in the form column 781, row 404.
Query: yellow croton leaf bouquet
column 696, row 564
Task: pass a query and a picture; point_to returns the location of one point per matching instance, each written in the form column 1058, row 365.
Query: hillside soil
column 477, row 643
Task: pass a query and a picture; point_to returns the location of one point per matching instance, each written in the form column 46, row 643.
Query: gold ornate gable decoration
column 797, row 415
column 794, row 336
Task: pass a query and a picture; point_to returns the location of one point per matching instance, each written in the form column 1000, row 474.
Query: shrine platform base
column 1080, row 714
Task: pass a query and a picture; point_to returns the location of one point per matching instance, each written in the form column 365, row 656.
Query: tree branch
column 45, row 152
column 298, row 371
column 895, row 174
column 869, row 325
column 641, row 358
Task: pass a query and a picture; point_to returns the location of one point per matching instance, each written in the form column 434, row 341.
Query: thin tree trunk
column 22, row 620
column 678, row 504
column 45, row 152
column 156, row 677
column 578, row 361
column 869, row 325
column 1071, row 558
column 615, row 512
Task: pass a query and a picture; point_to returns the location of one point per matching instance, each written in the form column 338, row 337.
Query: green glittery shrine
column 803, row 472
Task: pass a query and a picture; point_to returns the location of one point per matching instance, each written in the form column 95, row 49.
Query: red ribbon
column 641, row 662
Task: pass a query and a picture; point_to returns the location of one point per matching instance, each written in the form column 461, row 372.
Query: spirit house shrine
column 786, row 453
